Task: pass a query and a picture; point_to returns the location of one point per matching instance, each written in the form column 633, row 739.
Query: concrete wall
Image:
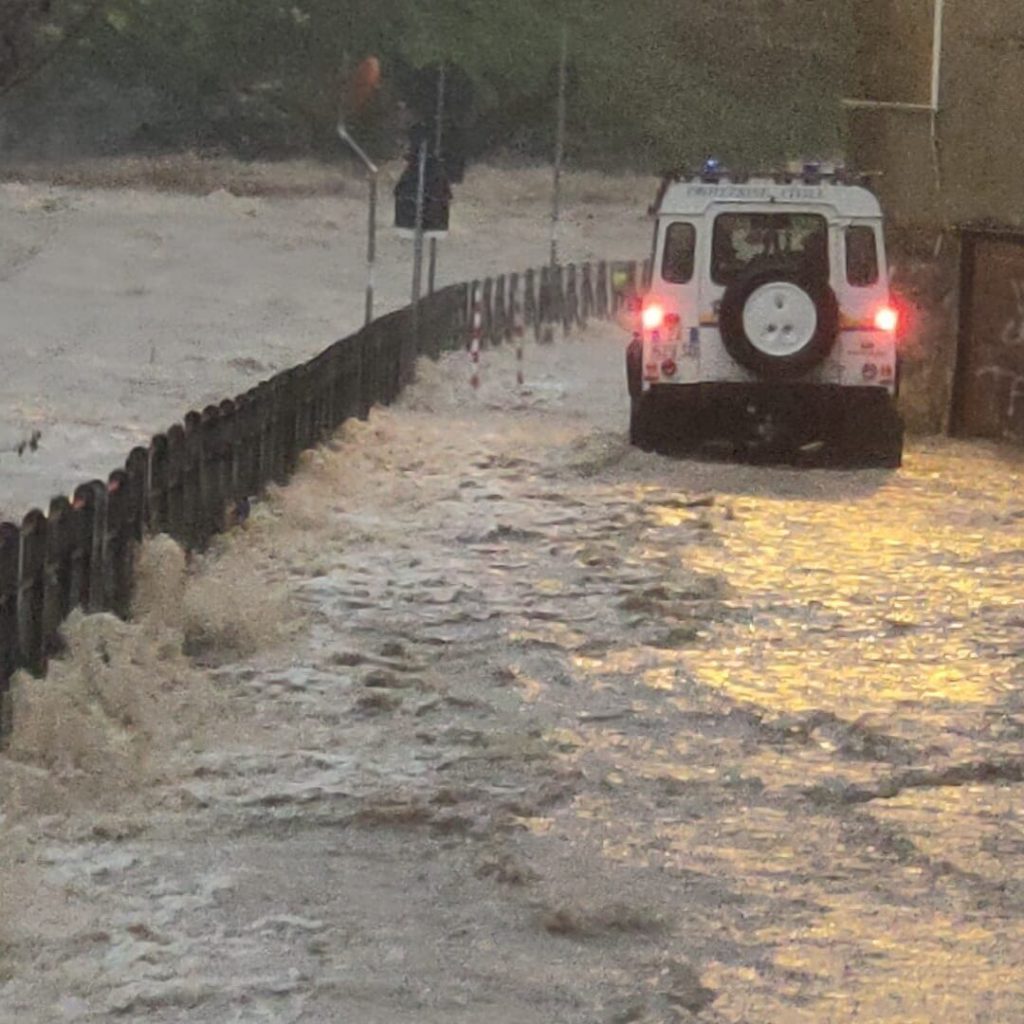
column 974, row 172
column 971, row 171
column 926, row 275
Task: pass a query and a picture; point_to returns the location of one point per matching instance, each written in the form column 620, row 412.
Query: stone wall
column 926, row 272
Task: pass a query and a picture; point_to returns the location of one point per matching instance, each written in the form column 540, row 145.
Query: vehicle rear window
column 677, row 259
column 861, row 256
column 741, row 241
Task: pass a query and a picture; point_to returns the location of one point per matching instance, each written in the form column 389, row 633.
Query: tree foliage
column 653, row 84
column 34, row 32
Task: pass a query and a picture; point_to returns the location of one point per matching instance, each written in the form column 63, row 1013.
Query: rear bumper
column 782, row 394
column 803, row 412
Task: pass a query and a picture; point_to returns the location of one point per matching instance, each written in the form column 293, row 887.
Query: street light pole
column 556, row 202
column 371, row 234
column 438, row 135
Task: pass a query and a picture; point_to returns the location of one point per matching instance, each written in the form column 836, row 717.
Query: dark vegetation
column 651, row 84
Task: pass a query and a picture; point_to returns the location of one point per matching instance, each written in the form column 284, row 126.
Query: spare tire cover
column 779, row 322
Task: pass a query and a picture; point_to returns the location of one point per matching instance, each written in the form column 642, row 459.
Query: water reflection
column 849, row 638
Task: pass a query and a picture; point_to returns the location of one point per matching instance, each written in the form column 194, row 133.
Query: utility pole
column 438, row 136
column 556, row 203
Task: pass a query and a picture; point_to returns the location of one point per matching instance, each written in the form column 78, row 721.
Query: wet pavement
column 576, row 733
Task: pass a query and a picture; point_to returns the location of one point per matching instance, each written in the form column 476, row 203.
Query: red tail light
column 887, row 319
column 653, row 317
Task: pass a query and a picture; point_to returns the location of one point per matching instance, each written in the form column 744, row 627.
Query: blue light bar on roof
column 712, row 170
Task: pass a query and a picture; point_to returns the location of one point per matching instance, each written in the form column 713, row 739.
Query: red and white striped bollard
column 519, row 332
column 475, row 338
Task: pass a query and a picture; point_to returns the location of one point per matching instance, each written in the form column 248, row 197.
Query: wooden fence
column 81, row 552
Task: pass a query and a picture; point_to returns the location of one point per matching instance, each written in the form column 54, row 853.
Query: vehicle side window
column 677, row 259
column 861, row 256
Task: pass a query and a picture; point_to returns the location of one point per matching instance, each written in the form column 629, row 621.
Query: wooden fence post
column 473, row 297
column 545, row 305
column 248, row 436
column 308, row 388
column 383, row 362
column 59, row 576
column 293, row 380
column 394, row 339
column 31, row 581
column 335, row 391
column 511, row 306
column 210, row 513
column 586, row 295
column 367, row 370
column 530, row 312
column 158, row 486
column 175, row 525
column 261, row 422
column 119, row 545
column 487, row 304
column 10, row 544
column 278, row 419
column 193, row 534
column 407, row 352
column 570, row 313
column 324, row 370
column 560, row 303
column 601, row 296
column 230, row 454
column 499, row 318
column 137, row 515
column 348, row 357
column 89, row 506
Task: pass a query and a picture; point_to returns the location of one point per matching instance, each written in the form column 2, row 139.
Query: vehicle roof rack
column 809, row 175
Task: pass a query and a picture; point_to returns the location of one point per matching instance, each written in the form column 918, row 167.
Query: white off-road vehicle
column 767, row 319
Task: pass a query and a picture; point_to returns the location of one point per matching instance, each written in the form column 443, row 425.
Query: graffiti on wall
column 990, row 388
column 1004, row 398
column 1013, row 329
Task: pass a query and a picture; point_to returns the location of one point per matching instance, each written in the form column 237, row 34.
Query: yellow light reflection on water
column 861, row 606
column 889, row 621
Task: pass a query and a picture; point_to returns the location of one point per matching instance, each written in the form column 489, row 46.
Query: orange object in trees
column 365, row 82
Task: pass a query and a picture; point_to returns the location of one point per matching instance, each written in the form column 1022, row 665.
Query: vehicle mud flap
column 642, row 425
column 871, row 430
column 634, row 368
column 664, row 420
column 639, row 405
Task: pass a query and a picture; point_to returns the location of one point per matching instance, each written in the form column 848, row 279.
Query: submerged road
column 562, row 732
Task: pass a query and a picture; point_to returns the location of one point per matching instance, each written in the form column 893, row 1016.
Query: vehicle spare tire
column 779, row 321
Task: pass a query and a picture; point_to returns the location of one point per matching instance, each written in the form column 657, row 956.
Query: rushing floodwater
column 608, row 736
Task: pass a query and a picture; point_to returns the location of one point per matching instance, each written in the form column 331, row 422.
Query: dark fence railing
column 81, row 553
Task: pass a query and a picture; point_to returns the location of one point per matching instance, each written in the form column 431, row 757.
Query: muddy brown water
column 572, row 733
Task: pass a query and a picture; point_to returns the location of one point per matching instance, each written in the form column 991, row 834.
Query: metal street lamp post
column 371, row 236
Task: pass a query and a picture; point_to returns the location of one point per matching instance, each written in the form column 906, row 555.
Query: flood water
column 611, row 736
